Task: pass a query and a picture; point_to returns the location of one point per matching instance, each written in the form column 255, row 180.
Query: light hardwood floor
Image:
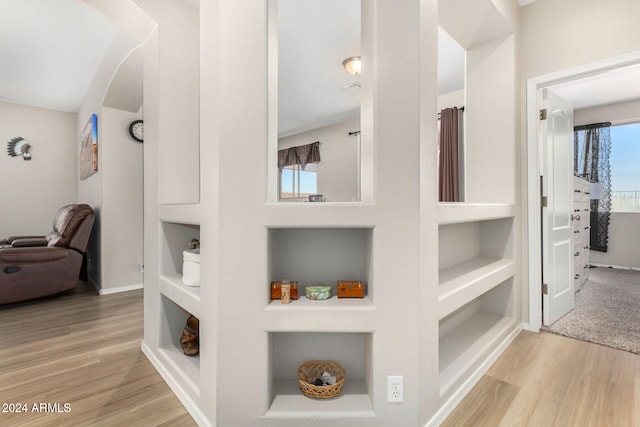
column 549, row 380
column 84, row 350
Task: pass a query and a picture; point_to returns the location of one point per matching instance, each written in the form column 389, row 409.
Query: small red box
column 350, row 289
column 276, row 293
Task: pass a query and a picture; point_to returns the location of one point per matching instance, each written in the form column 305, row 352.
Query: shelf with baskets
column 289, row 350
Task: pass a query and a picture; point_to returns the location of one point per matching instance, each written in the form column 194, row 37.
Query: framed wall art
column 89, row 148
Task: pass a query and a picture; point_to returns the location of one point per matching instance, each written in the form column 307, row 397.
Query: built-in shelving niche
column 472, row 332
column 315, row 256
column 176, row 239
column 288, row 350
column 475, row 301
column 462, row 242
column 474, row 257
column 173, row 319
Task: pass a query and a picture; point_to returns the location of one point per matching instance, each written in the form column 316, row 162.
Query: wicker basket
column 310, row 371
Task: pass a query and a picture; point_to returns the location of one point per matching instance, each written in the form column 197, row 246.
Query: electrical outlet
column 395, row 389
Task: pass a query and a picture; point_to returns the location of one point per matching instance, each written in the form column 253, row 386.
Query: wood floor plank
column 562, row 382
column 496, row 398
column 82, row 349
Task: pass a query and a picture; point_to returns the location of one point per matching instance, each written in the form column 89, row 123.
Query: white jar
column 191, row 267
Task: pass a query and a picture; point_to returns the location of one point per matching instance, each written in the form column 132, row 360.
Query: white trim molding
column 110, row 291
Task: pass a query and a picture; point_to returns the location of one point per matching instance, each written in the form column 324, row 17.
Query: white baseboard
column 621, row 267
column 114, row 290
column 447, row 408
column 121, row 289
column 175, row 387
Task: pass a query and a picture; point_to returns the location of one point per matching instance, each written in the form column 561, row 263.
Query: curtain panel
column 300, row 155
column 449, row 158
column 592, row 149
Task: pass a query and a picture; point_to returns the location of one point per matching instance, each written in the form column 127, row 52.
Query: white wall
column 558, row 35
column 624, row 228
column 121, row 212
column 451, row 99
column 338, row 169
column 33, row 191
column 90, row 189
column 179, row 84
column 621, row 111
column 624, row 235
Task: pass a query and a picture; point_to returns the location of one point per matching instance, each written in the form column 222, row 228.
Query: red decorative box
column 350, row 289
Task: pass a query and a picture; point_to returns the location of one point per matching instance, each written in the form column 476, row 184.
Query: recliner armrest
column 32, row 255
column 11, row 239
column 29, row 242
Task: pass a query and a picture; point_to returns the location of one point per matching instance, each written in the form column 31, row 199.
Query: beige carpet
column 607, row 310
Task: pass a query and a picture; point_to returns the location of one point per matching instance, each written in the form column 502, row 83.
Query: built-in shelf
column 180, row 213
column 184, row 370
column 451, row 213
column 321, row 255
column 187, row 297
column 289, row 402
column 334, row 314
column 463, row 282
column 464, row 347
column 186, row 367
column 290, row 349
column 332, row 304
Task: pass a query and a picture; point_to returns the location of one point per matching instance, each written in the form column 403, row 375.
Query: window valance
column 300, row 155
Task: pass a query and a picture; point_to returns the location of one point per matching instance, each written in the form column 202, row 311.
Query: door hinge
column 544, row 201
column 543, row 114
column 545, row 289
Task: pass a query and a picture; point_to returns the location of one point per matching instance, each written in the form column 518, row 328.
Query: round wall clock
column 136, row 130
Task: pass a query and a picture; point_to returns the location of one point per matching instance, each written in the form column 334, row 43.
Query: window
column 625, row 168
column 297, row 182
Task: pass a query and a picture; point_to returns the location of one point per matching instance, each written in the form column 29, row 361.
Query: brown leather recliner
column 37, row 266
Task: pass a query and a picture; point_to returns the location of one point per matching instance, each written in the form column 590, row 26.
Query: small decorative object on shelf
column 321, row 379
column 319, row 292
column 195, row 244
column 276, row 293
column 316, row 198
column 191, row 264
column 285, row 292
column 350, row 289
column 190, row 339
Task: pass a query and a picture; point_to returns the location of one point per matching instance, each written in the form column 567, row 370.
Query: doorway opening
column 536, row 162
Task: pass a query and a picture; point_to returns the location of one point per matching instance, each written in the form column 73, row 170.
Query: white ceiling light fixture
column 353, row 65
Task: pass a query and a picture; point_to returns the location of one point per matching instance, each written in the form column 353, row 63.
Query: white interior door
column 557, row 185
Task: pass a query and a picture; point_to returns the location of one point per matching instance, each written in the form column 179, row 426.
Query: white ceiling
column 50, row 51
column 609, row 87
column 314, row 37
column 311, row 75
